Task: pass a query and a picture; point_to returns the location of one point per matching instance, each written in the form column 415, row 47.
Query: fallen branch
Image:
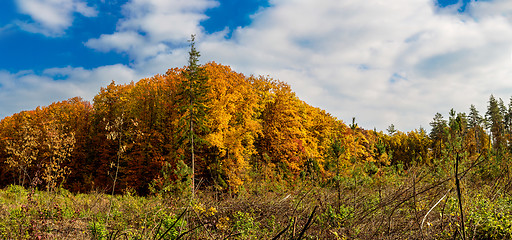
column 432, row 208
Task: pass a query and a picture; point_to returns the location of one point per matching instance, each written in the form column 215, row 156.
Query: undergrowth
column 417, row 202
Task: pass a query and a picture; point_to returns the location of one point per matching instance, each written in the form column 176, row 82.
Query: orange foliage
column 252, row 124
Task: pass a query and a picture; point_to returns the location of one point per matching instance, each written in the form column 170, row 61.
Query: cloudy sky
column 382, row 62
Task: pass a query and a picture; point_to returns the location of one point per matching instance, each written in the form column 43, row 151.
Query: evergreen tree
column 503, row 109
column 508, row 125
column 458, row 122
column 437, row 134
column 438, row 125
column 474, row 118
column 192, row 103
column 494, row 119
column 475, row 122
column 391, row 129
column 508, row 118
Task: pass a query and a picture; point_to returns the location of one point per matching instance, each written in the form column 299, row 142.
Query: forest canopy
column 246, row 127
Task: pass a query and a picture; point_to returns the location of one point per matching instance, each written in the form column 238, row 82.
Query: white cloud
column 52, row 17
column 495, row 8
column 26, row 90
column 387, row 62
column 120, row 42
column 384, row 62
column 150, row 26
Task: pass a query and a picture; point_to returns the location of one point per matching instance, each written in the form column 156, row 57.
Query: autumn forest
column 206, row 128
column 247, row 124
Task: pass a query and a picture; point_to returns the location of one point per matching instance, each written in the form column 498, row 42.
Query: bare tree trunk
column 193, row 160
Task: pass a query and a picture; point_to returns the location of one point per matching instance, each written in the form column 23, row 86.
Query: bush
column 491, row 219
column 98, row 230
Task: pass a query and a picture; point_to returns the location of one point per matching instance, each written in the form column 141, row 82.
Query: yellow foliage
column 232, row 127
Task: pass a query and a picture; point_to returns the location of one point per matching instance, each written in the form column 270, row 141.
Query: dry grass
column 394, row 207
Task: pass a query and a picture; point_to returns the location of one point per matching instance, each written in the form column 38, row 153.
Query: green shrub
column 335, row 218
column 98, row 230
column 245, row 224
column 170, row 226
column 492, row 219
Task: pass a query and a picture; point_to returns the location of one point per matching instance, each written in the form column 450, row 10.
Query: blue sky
column 460, row 4
column 383, row 62
column 67, row 48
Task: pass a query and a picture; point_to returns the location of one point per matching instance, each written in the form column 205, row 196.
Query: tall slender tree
column 494, row 119
column 474, row 118
column 475, row 124
column 437, row 134
column 192, row 103
column 508, row 126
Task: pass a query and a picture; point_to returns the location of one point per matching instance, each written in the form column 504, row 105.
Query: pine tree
column 508, row 125
column 494, row 119
column 475, row 124
column 437, row 134
column 508, row 118
column 438, row 125
column 391, row 129
column 474, row 118
column 192, row 99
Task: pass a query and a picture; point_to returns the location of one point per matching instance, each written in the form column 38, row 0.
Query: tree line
column 208, row 125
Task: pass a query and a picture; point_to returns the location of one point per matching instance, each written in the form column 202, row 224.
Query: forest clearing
column 203, row 152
